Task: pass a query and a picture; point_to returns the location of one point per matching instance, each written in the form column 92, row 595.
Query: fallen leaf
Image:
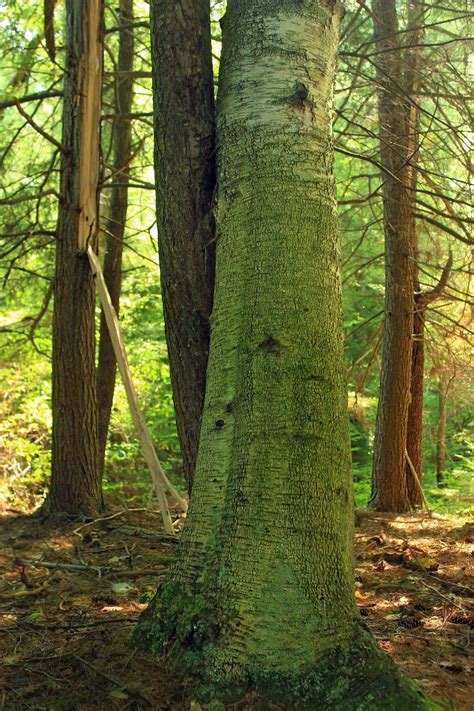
column 121, row 588
column 11, row 661
column 118, row 694
column 426, row 563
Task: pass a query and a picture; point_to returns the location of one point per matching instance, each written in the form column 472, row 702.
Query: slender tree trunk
column 441, row 432
column 413, row 61
column 117, row 215
column 389, row 480
column 415, row 410
column 75, row 480
column 185, row 180
column 262, row 591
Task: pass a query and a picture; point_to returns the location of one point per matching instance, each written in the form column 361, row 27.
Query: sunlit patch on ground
column 64, row 628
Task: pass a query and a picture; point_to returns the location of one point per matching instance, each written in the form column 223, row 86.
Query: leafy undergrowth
column 64, row 625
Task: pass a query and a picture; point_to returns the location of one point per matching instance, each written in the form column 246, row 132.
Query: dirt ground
column 70, row 596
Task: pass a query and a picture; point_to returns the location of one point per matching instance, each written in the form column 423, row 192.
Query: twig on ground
column 440, row 594
column 117, row 682
column 114, row 515
column 74, row 625
column 73, row 567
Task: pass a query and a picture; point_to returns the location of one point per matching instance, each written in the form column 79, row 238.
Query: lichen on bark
column 261, row 595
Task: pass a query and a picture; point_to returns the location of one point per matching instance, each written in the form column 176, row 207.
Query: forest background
column 403, row 165
column 29, row 165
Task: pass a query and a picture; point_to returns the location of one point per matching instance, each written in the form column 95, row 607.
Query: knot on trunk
column 300, row 95
column 271, row 345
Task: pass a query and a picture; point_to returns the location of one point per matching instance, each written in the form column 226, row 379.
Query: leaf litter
column 71, row 595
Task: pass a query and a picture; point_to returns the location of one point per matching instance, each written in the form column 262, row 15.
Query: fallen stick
column 114, row 515
column 116, row 682
column 418, row 482
column 74, row 567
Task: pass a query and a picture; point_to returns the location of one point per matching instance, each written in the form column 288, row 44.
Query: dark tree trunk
column 413, row 57
column 75, row 480
column 415, row 410
column 185, row 179
column 441, row 433
column 117, row 215
column 389, row 481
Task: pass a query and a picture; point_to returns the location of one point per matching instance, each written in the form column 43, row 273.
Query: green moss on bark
column 177, row 625
column 353, row 676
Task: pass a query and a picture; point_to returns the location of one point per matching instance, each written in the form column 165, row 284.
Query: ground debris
column 64, row 630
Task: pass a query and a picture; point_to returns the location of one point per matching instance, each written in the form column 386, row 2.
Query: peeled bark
column 185, row 185
column 389, row 478
column 75, row 478
column 117, row 215
column 261, row 595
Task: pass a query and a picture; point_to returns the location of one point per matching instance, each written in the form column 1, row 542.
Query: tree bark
column 415, row 410
column 413, row 60
column 441, row 432
column 75, row 478
column 262, row 591
column 389, row 479
column 117, row 215
column 185, row 185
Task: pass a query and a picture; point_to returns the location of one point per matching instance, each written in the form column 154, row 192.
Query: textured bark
column 413, row 60
column 117, row 215
column 415, row 410
column 75, row 479
column 441, row 433
column 261, row 594
column 185, row 179
column 389, row 479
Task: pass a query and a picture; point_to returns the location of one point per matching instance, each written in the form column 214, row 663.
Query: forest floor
column 70, row 596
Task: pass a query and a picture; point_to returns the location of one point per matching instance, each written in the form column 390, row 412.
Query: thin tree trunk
column 389, row 480
column 262, row 590
column 441, row 433
column 185, row 184
column 413, row 61
column 415, row 410
column 117, row 215
column 75, row 479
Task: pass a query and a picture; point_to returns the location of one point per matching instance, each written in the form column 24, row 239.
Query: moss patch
column 355, row 676
column 177, row 625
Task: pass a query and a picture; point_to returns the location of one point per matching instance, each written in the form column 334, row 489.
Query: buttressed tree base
column 262, row 592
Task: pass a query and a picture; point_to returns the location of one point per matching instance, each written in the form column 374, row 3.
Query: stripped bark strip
column 49, row 6
column 89, row 88
column 160, row 480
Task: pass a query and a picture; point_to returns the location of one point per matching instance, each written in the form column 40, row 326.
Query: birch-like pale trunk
column 262, row 592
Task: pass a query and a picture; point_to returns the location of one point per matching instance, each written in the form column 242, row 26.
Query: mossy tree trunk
column 117, row 216
column 75, row 480
column 185, row 185
column 261, row 595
